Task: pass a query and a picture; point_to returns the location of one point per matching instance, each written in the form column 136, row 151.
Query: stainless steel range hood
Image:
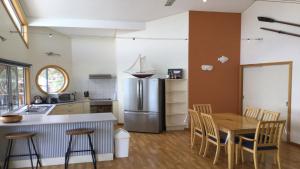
column 100, row 76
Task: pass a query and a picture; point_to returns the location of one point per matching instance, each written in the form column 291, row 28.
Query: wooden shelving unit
column 176, row 104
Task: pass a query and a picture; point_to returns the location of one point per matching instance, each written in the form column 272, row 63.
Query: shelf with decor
column 176, row 104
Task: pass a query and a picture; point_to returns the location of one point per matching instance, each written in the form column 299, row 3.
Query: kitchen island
column 51, row 140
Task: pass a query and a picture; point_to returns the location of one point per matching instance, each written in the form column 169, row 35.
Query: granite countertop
column 61, row 119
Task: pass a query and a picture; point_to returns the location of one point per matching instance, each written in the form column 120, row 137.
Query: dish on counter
column 11, row 118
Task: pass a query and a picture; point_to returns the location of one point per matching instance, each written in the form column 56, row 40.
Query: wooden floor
column 172, row 151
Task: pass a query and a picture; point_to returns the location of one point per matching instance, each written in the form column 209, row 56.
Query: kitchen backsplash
column 103, row 88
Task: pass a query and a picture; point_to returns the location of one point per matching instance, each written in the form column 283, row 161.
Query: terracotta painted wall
column 212, row 35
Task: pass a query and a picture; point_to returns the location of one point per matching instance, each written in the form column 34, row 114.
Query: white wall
column 274, row 47
column 91, row 56
column 161, row 54
column 39, row 44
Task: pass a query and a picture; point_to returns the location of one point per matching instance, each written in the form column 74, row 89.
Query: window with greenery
column 52, row 79
column 17, row 15
column 12, row 88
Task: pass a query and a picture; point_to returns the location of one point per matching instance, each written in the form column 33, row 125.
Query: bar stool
column 18, row 136
column 77, row 132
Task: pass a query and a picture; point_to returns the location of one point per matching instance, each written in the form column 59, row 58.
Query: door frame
column 290, row 80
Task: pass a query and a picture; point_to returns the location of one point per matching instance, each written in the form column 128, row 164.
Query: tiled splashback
column 103, row 88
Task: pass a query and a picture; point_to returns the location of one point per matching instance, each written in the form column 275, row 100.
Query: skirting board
column 61, row 160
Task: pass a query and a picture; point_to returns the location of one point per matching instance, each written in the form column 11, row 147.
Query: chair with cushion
column 251, row 112
column 197, row 129
column 213, row 135
column 267, row 139
column 203, row 108
column 267, row 115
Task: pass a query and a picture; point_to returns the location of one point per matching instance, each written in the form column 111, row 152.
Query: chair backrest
column 267, row 115
column 268, row 133
column 196, row 120
column 251, row 112
column 203, row 108
column 211, row 128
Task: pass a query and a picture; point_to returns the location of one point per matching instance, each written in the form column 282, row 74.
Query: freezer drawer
column 142, row 122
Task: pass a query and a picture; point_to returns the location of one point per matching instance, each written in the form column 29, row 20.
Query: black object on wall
column 271, row 20
column 281, row 32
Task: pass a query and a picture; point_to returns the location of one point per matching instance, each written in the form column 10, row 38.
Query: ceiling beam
column 85, row 23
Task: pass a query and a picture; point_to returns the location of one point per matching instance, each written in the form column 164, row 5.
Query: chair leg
column 67, row 156
column 30, row 154
column 237, row 154
column 92, row 152
column 206, row 147
column 8, row 152
column 255, row 160
column 36, row 154
column 278, row 159
column 217, row 154
column 202, row 145
column 193, row 139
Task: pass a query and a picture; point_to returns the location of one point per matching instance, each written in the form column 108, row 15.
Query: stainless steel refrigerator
column 144, row 108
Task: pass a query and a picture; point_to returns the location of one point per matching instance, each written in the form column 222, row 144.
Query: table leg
column 231, row 149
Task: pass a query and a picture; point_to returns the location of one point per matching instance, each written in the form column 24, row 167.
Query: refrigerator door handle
column 142, row 95
column 138, row 94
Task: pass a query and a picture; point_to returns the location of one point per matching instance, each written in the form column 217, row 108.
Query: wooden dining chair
column 197, row 130
column 267, row 115
column 251, row 112
column 213, row 135
column 203, row 108
column 267, row 139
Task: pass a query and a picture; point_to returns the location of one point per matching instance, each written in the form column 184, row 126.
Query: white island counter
column 51, row 140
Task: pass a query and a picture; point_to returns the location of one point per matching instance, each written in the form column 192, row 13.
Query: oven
column 101, row 105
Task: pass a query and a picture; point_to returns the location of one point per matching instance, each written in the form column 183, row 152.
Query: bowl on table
column 11, row 118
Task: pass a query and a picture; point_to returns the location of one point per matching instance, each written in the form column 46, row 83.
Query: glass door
column 4, row 100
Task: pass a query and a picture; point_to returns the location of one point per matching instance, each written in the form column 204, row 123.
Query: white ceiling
column 126, row 10
column 61, row 15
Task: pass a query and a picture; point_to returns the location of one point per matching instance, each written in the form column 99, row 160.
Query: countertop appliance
column 61, row 97
column 144, row 105
column 37, row 99
column 101, row 105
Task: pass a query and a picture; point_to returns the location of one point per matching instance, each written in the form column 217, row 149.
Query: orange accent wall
column 211, row 35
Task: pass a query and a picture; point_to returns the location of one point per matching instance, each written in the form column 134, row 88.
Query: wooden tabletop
column 235, row 123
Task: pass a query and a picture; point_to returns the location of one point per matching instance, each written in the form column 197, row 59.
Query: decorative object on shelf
column 271, row 20
column 280, row 32
column 207, row 67
column 11, row 118
column 86, row 94
column 140, row 68
column 253, row 39
column 175, row 73
column 223, row 59
column 52, row 54
column 2, row 38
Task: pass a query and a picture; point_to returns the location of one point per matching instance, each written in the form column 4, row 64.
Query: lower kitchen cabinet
column 71, row 108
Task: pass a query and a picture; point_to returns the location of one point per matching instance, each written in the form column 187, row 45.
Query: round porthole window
column 52, row 79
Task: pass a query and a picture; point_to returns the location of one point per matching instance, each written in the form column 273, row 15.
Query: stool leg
column 36, row 154
column 30, row 155
column 8, row 151
column 67, row 157
column 92, row 152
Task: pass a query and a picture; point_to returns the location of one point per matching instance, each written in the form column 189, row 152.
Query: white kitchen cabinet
column 176, row 104
column 71, row 108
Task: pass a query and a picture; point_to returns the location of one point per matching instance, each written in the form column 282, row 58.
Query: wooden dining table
column 234, row 124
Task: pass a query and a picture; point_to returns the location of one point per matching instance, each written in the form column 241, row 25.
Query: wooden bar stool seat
column 11, row 137
column 81, row 131
column 21, row 135
column 78, row 132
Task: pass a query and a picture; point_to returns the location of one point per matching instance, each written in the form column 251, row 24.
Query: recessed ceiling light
column 204, row 0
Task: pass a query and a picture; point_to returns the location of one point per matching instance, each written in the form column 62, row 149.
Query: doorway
column 268, row 86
